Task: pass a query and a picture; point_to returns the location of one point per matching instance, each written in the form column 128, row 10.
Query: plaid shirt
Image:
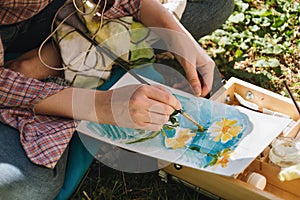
column 44, row 138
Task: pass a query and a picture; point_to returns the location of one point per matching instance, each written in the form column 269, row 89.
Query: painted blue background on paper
column 202, row 150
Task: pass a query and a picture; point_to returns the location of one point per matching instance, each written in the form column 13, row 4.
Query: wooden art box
column 235, row 188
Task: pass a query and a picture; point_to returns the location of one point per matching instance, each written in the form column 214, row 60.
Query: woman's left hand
column 181, row 43
column 198, row 66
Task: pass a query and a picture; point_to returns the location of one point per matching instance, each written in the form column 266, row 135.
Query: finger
column 160, row 94
column 204, row 87
column 152, row 108
column 150, row 120
column 183, row 86
column 158, row 119
column 169, row 98
column 192, row 76
column 159, row 108
column 206, row 75
column 205, row 91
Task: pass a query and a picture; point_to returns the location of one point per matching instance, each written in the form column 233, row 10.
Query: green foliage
column 173, row 119
column 260, row 37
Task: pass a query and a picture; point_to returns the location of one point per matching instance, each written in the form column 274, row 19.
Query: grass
column 259, row 43
column 106, row 183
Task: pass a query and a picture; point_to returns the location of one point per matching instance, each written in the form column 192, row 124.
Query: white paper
column 261, row 130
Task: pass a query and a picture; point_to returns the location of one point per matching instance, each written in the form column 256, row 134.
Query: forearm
column 161, row 19
column 18, row 91
column 78, row 103
column 59, row 104
column 178, row 40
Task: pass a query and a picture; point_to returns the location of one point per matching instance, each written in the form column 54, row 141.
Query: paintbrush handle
column 292, row 97
column 126, row 66
column 191, row 119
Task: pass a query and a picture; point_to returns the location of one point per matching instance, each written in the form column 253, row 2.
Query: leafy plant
column 260, row 38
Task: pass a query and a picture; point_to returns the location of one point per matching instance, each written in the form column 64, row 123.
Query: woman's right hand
column 138, row 106
column 132, row 106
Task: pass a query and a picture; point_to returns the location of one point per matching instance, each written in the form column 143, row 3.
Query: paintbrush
column 126, row 66
column 255, row 107
column 292, row 97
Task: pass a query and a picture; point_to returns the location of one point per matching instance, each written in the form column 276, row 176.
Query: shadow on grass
column 103, row 182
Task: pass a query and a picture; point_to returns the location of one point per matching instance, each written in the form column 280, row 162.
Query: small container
column 285, row 152
column 255, row 179
column 289, row 173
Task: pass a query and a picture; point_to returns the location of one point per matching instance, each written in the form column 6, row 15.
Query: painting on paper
column 232, row 136
column 224, row 127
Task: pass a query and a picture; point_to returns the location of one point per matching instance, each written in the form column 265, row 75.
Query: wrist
column 103, row 107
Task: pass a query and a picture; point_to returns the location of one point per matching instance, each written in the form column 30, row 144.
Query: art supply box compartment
column 235, row 188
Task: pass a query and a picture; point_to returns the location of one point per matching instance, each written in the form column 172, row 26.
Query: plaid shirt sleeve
column 12, row 11
column 44, row 138
column 123, row 8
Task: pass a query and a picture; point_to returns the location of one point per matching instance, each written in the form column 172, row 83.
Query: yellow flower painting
column 180, row 139
column 224, row 158
column 225, row 130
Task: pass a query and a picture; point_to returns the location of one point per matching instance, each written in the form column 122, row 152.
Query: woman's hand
column 180, row 42
column 138, row 106
column 198, row 66
column 133, row 106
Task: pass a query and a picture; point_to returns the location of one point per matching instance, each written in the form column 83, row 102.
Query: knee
column 17, row 184
column 9, row 175
column 225, row 10
column 201, row 17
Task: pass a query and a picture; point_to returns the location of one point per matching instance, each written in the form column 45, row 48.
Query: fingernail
column 178, row 106
column 197, row 91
